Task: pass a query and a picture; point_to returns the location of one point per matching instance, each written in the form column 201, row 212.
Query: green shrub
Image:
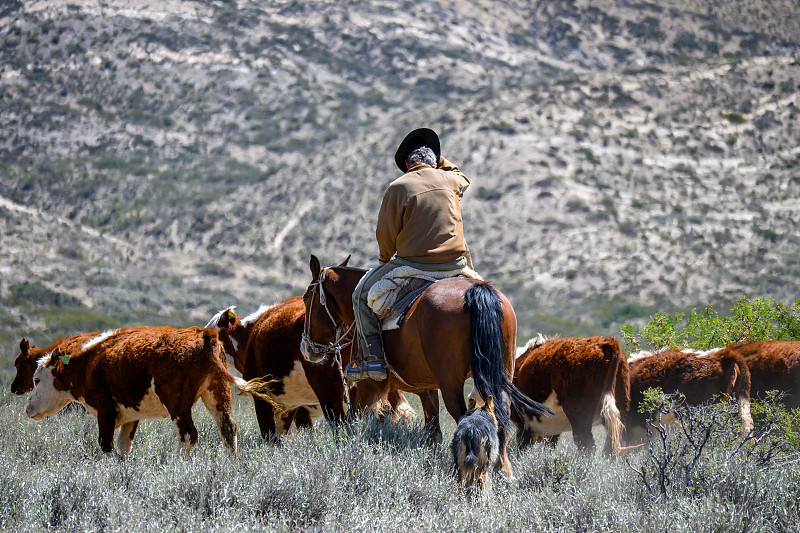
column 702, row 453
column 759, row 319
column 733, row 118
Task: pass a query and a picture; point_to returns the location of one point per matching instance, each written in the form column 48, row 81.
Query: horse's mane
column 348, row 269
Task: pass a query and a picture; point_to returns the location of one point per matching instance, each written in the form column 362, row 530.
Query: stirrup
column 373, row 369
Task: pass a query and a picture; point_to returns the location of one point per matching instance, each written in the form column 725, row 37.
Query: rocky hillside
column 162, row 159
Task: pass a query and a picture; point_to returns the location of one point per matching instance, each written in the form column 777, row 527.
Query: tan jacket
column 420, row 217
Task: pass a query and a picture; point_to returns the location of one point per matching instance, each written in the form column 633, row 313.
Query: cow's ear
column 224, row 319
column 23, row 346
column 315, row 267
column 344, row 263
column 59, row 353
column 490, row 404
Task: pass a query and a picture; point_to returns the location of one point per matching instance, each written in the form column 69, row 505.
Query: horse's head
column 26, row 366
column 329, row 310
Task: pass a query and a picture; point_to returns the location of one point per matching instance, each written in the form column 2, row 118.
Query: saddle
column 406, row 295
column 392, row 295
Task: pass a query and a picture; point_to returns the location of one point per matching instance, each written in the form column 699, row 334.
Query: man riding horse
column 419, row 226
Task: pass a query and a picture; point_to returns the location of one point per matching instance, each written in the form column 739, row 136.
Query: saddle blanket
column 400, row 287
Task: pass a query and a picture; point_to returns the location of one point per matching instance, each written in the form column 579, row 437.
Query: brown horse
column 266, row 344
column 457, row 327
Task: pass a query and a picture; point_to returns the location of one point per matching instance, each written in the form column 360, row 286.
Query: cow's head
column 26, row 366
column 227, row 324
column 50, row 394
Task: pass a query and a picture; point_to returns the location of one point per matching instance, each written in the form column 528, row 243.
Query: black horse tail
column 486, row 356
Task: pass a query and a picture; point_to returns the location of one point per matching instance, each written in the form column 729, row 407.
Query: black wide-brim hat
column 415, row 139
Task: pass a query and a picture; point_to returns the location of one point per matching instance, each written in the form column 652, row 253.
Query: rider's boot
column 373, row 362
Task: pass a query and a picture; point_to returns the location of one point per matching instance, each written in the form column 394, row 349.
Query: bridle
column 318, row 351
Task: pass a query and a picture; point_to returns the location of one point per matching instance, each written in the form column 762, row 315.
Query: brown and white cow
column 699, row 376
column 29, row 355
column 774, row 365
column 138, row 373
column 266, row 345
column 583, row 380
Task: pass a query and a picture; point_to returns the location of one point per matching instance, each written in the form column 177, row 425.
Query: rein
column 319, row 352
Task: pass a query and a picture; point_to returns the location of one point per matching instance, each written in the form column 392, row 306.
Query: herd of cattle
column 136, row 373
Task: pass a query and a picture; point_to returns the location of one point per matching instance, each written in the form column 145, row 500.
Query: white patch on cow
column 215, row 319
column 553, row 425
column 712, row 351
column 98, row 339
column 641, row 355
column 150, row 406
column 45, row 400
column 44, row 360
column 296, row 390
column 252, row 317
column 533, row 342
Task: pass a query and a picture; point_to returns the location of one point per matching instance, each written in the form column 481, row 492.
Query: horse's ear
column 490, row 404
column 344, row 263
column 315, row 267
column 24, row 345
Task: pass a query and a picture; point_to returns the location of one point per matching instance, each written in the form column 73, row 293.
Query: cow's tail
column 610, row 408
column 257, row 388
column 737, row 384
column 482, row 303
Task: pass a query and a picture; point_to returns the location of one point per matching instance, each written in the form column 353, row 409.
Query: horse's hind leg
column 505, row 464
column 454, row 401
column 430, row 406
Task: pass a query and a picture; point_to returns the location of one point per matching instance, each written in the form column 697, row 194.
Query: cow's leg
column 302, row 418
column 266, row 418
column 106, row 424
column 524, row 437
column 284, row 422
column 552, row 440
column 580, row 420
column 367, row 393
column 401, row 410
column 125, row 437
column 184, row 425
column 430, row 407
column 217, row 399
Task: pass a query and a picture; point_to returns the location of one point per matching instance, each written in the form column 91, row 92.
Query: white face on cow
column 45, row 400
